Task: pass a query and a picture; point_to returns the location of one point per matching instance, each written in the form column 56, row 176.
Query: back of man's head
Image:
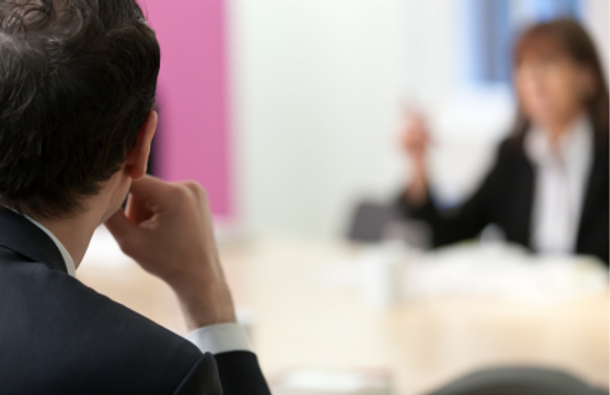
column 77, row 80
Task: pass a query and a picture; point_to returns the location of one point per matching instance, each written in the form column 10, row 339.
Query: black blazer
column 506, row 198
column 58, row 336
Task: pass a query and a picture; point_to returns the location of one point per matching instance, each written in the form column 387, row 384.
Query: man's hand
column 167, row 229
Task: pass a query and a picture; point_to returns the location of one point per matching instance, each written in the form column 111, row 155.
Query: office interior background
column 289, row 113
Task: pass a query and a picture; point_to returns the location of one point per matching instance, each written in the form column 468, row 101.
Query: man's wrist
column 220, row 338
column 204, row 305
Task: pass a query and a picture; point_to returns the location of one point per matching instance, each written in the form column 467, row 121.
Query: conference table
column 298, row 319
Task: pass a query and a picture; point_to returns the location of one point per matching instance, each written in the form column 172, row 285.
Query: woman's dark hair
column 77, row 80
column 567, row 36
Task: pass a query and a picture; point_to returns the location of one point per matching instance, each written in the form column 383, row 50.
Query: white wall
column 597, row 14
column 316, row 103
column 316, row 92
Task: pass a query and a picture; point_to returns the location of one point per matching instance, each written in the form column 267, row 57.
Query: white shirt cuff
column 220, row 338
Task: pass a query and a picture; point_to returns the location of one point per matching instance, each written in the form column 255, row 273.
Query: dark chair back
column 518, row 381
column 373, row 222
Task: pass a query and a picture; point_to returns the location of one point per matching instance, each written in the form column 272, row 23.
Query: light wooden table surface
column 298, row 322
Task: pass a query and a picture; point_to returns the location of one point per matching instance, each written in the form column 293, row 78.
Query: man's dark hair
column 77, row 80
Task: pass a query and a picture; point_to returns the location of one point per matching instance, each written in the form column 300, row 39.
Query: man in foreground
column 77, row 86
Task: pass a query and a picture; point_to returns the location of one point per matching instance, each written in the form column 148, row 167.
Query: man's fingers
column 137, row 210
column 148, row 187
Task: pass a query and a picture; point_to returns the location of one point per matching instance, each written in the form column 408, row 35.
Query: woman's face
column 551, row 87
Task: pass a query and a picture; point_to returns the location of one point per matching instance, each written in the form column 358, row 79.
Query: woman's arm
column 415, row 141
column 448, row 226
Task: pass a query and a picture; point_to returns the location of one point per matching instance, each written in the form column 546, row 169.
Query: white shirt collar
column 573, row 151
column 70, row 267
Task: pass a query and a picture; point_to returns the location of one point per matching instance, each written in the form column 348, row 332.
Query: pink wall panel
column 193, row 139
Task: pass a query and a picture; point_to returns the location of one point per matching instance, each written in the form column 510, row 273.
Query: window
column 491, row 27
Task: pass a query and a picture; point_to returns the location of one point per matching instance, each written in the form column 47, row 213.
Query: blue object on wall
column 492, row 26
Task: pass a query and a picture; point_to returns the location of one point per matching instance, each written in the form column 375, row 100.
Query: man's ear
column 137, row 159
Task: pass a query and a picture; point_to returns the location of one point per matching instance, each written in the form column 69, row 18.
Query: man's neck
column 74, row 233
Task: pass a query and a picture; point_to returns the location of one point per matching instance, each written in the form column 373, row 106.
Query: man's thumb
column 121, row 227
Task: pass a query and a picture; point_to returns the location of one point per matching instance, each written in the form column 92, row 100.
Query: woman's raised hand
column 415, row 140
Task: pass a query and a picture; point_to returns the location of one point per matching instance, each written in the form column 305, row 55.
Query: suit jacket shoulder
column 59, row 336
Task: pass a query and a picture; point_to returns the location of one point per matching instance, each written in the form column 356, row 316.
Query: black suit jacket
column 506, row 198
column 58, row 336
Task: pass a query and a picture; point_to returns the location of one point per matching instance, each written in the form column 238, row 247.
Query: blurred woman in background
column 548, row 190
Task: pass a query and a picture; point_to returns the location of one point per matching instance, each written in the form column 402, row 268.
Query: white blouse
column 561, row 174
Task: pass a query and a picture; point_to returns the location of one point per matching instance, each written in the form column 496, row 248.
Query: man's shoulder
column 60, row 331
